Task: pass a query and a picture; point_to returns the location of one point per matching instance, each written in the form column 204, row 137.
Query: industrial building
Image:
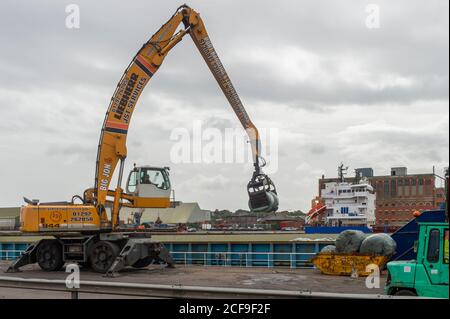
column 241, row 219
column 182, row 213
column 440, row 197
column 400, row 194
column 281, row 221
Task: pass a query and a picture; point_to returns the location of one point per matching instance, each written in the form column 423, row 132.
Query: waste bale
column 378, row 244
column 349, row 241
column 329, row 249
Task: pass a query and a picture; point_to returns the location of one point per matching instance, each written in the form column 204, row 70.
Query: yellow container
column 348, row 264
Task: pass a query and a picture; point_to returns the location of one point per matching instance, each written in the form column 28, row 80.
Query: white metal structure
column 349, row 204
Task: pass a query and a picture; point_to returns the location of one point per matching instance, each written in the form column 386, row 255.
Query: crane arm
column 112, row 144
column 262, row 193
column 201, row 39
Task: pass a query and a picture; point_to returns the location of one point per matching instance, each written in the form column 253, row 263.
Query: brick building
column 440, row 196
column 282, row 221
column 241, row 220
column 398, row 195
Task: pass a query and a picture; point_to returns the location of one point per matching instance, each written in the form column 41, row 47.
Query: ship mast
column 342, row 171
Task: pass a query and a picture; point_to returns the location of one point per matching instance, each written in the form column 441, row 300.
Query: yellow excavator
column 82, row 232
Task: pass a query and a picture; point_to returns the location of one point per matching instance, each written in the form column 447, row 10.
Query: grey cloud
column 55, row 85
column 317, row 149
column 332, row 30
column 219, row 123
column 391, row 144
column 72, row 151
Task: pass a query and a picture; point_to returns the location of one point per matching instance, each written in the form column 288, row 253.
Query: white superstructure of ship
column 349, row 204
column 346, row 204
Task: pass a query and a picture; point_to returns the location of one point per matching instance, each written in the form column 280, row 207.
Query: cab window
column 433, row 246
column 132, row 182
column 155, row 177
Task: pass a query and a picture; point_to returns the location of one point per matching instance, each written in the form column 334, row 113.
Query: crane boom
column 209, row 54
column 112, row 144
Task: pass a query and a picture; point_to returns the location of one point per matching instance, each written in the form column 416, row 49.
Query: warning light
column 416, row 213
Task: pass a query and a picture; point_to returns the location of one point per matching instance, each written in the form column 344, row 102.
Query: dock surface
column 211, row 276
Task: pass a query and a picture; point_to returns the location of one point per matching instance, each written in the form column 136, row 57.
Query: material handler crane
column 82, row 232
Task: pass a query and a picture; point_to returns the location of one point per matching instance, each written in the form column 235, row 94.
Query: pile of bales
column 355, row 241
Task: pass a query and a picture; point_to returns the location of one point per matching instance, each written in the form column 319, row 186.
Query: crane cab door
column 150, row 183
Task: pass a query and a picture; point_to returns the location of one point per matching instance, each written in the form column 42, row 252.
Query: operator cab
column 149, row 181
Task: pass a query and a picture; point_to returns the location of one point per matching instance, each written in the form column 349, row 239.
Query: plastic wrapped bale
column 378, row 244
column 349, row 241
column 329, row 249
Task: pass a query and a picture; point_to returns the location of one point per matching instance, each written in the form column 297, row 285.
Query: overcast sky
column 334, row 89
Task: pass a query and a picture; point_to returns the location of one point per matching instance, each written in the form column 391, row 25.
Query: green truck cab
column 427, row 276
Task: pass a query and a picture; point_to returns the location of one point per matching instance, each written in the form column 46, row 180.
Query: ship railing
column 245, row 259
column 10, row 254
column 225, row 259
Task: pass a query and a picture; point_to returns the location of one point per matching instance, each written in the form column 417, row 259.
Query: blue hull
column 334, row 230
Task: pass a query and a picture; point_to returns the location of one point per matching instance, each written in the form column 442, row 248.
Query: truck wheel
column 405, row 292
column 102, row 255
column 49, row 255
